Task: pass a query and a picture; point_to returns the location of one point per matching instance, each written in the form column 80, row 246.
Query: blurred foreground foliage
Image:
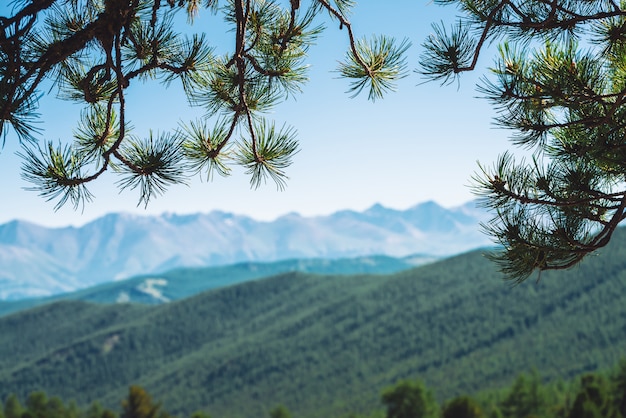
column 592, row 395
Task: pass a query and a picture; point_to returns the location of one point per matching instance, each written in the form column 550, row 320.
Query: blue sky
column 420, row 143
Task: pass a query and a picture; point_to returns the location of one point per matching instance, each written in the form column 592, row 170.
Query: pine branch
column 93, row 51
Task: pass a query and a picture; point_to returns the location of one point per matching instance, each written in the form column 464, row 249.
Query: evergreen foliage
column 619, row 385
column 525, row 398
column 326, row 345
column 594, row 399
column 139, row 404
column 95, row 410
column 91, row 51
column 12, row 407
column 409, row 399
column 462, row 407
column 38, row 405
column 559, row 83
column 594, row 396
column 280, row 411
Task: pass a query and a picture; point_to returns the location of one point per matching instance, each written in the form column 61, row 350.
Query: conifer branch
column 94, row 50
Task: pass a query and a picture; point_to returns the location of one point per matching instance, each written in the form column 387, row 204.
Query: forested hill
column 184, row 282
column 323, row 345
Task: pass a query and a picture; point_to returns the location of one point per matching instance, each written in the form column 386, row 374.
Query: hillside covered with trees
column 592, row 395
column 325, row 344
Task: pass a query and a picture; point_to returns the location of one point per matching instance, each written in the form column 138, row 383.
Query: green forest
column 592, row 395
column 326, row 345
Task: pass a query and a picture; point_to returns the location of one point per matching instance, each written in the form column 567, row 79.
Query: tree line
column 591, row 395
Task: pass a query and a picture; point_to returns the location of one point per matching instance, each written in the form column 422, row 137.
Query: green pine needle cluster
column 91, row 51
column 384, row 64
column 151, row 165
column 270, row 156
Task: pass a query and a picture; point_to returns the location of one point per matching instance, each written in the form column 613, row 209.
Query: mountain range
column 325, row 345
column 36, row 261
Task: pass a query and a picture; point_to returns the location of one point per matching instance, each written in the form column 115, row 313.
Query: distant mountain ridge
column 118, row 246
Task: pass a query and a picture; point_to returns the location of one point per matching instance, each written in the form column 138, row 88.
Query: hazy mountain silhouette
column 118, row 246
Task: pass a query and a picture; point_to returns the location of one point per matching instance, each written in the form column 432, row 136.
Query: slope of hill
column 119, row 246
column 185, row 282
column 323, row 345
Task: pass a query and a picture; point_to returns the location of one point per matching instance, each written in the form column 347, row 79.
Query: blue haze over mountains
column 36, row 261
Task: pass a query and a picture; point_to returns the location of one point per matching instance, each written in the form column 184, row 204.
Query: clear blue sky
column 420, row 143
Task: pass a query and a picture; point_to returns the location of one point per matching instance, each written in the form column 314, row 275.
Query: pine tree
column 559, row 83
column 594, row 399
column 462, row 407
column 280, row 411
column 37, row 405
column 525, row 398
column 139, row 404
column 409, row 399
column 619, row 387
column 92, row 51
column 12, row 407
column 95, row 410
